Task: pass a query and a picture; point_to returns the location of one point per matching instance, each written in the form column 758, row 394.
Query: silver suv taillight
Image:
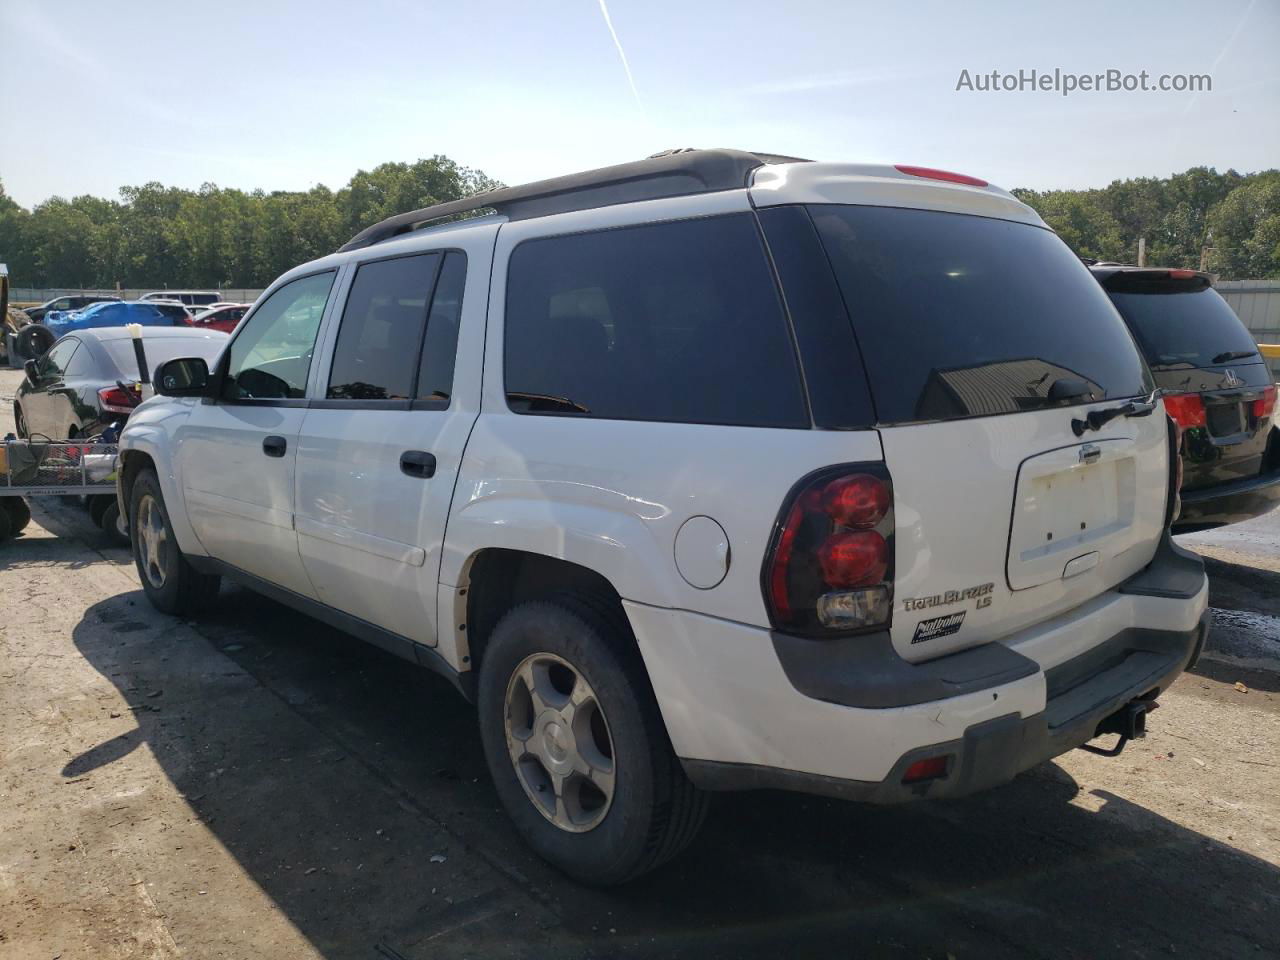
column 829, row 569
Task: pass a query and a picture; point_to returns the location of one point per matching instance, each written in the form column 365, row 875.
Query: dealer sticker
column 942, row 626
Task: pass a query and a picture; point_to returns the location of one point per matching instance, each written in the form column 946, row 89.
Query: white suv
column 712, row 471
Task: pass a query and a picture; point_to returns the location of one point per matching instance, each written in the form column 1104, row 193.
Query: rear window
column 679, row 322
column 1187, row 328
column 963, row 316
column 158, row 351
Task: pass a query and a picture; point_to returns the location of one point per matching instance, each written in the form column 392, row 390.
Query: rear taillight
column 931, row 174
column 1187, row 409
column 118, row 399
column 830, row 564
column 1265, row 405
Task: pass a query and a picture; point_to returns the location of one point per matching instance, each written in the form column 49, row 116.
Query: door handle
column 274, row 446
column 418, row 463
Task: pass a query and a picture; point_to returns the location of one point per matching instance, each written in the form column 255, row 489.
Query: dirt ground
column 257, row 785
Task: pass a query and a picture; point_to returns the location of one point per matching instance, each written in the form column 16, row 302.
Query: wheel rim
column 153, row 541
column 559, row 742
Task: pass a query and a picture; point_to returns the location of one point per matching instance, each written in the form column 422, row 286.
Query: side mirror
column 185, row 377
column 32, row 369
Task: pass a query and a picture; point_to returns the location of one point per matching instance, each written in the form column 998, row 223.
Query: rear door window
column 965, row 316
column 376, row 356
column 1185, row 328
column 677, row 322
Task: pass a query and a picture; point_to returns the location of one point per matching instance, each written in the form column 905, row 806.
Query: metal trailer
column 56, row 468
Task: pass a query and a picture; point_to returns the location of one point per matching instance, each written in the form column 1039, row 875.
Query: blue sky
column 283, row 96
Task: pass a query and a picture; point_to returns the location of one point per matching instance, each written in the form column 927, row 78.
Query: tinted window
column 435, row 373
column 271, row 354
column 377, row 351
column 675, row 321
column 81, row 363
column 1185, row 327
column 962, row 316
column 54, row 363
column 171, row 311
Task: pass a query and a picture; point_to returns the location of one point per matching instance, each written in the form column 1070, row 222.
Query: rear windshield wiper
column 1097, row 419
column 546, row 402
column 1234, row 355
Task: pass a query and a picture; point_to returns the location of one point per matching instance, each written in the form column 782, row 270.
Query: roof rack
column 672, row 173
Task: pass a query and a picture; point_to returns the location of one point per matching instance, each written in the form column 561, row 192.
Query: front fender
column 151, row 432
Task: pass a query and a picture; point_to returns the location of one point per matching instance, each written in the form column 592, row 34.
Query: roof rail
column 672, row 173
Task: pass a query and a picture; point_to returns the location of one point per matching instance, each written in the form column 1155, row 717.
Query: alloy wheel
column 559, row 742
column 153, row 541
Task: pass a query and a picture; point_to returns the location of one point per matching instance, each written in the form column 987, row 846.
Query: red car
column 221, row 316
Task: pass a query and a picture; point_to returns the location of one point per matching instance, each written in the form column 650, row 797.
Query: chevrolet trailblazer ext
column 712, row 471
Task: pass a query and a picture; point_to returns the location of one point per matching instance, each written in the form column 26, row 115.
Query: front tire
column 170, row 582
column 576, row 745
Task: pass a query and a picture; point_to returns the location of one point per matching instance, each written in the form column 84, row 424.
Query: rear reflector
column 931, row 174
column 1187, row 409
column 931, row 768
column 1265, row 405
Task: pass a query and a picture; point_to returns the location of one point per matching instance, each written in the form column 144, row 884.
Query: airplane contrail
column 622, row 55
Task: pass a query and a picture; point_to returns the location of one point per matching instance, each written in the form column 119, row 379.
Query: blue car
column 35, row 339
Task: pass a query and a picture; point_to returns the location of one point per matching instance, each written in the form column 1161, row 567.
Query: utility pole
column 1142, row 251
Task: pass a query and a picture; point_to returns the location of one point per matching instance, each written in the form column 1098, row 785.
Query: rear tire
column 6, row 525
column 649, row 812
column 170, row 582
column 19, row 421
column 18, row 512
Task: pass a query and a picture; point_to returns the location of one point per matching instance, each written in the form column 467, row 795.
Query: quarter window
column 435, row 372
column 271, row 356
column 675, row 321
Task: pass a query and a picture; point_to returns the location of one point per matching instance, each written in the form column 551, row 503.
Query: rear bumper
column 738, row 719
column 1229, row 502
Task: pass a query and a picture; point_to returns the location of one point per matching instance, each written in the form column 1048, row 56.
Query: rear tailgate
column 1018, row 522
column 983, row 340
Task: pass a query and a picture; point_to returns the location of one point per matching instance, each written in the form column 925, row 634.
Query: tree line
column 155, row 235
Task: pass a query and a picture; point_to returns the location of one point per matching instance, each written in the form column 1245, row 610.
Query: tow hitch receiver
column 1129, row 722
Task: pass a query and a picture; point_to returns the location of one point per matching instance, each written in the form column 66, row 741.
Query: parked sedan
column 87, row 381
column 222, row 316
column 1217, row 387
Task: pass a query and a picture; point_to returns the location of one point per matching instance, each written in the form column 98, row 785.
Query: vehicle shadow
column 336, row 777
